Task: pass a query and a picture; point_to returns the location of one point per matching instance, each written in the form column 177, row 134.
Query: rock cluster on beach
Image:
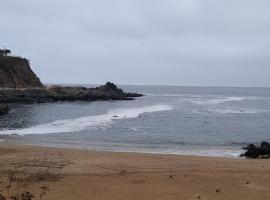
column 18, row 83
column 253, row 151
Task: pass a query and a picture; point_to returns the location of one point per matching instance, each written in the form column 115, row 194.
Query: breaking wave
column 88, row 122
column 215, row 101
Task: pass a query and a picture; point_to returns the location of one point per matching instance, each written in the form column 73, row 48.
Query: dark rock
column 15, row 72
column 171, row 176
column 61, row 93
column 4, row 109
column 265, row 144
column 265, row 149
column 250, row 146
column 133, row 95
column 110, row 87
column 18, row 83
column 253, row 151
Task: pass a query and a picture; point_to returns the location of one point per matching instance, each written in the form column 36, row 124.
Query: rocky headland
column 15, row 72
column 109, row 91
column 19, row 84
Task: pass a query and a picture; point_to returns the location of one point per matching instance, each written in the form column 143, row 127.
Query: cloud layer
column 187, row 42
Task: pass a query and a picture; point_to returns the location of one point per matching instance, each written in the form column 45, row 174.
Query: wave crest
column 88, row 122
column 215, row 101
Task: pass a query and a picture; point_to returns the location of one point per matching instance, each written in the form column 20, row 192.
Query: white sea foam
column 88, row 122
column 238, row 111
column 134, row 129
column 212, row 153
column 215, row 100
column 227, row 99
column 196, row 151
column 218, row 100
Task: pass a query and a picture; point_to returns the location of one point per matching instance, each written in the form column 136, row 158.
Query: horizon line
column 157, row 85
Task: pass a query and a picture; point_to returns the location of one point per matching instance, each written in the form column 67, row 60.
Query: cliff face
column 22, row 85
column 15, row 72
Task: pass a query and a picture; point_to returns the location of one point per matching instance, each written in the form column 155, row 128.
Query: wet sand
column 82, row 174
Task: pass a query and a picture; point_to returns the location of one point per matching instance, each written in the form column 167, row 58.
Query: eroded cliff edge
column 15, row 72
column 19, row 84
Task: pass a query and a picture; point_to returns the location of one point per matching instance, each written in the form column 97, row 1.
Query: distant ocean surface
column 208, row 121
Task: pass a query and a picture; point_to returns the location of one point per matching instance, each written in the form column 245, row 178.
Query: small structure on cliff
column 5, row 52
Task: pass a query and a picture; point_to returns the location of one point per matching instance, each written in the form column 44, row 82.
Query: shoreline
column 81, row 174
column 210, row 152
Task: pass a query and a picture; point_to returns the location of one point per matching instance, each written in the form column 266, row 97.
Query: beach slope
column 78, row 174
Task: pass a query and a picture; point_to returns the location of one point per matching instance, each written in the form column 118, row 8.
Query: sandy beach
column 82, row 174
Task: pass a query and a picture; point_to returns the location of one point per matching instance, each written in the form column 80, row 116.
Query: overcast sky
column 160, row 42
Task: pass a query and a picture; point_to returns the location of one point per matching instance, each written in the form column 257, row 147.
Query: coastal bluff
column 19, row 84
column 109, row 91
column 15, row 72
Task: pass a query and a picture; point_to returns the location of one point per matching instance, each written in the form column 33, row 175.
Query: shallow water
column 212, row 121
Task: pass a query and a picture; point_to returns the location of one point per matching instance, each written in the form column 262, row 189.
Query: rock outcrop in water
column 60, row 93
column 253, row 151
column 15, row 72
column 4, row 109
column 18, row 83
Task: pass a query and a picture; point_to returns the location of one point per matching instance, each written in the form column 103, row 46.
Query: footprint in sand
column 255, row 186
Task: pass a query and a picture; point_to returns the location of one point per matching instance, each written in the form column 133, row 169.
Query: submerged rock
column 4, row 109
column 253, row 151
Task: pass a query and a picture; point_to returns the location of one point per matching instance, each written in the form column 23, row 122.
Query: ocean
column 206, row 121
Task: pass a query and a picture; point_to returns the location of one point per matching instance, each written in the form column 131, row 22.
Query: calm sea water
column 212, row 121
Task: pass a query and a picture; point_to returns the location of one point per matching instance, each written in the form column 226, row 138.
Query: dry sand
column 78, row 174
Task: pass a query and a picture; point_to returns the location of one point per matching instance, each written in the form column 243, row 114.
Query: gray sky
column 160, row 42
